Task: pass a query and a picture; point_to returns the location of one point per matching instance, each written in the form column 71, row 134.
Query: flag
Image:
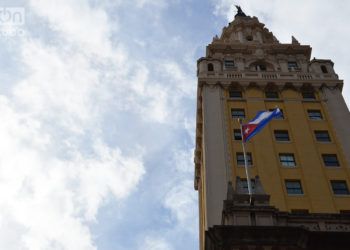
column 259, row 122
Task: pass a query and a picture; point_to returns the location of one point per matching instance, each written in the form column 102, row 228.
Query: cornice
column 272, row 49
column 263, row 84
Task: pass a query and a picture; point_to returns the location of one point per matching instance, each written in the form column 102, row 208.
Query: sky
column 97, row 107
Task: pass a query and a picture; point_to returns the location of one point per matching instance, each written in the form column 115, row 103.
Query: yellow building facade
column 307, row 165
column 299, row 164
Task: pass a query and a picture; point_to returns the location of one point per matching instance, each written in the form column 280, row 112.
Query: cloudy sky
column 97, row 106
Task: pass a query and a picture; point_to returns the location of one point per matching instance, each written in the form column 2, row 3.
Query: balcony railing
column 269, row 75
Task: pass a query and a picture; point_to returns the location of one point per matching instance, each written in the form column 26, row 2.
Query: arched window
column 210, row 67
column 249, row 38
column 324, row 69
column 260, row 67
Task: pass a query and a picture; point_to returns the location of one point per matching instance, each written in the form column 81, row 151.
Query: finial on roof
column 240, row 11
column 294, row 40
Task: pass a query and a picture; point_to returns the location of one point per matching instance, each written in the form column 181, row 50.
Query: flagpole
column 246, row 163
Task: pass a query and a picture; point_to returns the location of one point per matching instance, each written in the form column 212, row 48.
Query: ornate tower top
column 246, row 29
column 240, row 12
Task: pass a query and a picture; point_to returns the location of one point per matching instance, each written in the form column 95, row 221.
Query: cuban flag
column 258, row 123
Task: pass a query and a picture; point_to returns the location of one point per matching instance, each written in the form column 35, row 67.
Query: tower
column 300, row 163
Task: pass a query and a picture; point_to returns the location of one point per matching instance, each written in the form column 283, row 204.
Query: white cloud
column 88, row 28
column 184, row 160
column 56, row 171
column 154, row 243
column 158, row 3
column 56, row 168
column 182, row 202
column 49, row 200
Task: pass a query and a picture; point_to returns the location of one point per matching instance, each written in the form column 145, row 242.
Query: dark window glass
column 340, row 187
column 299, row 211
column 308, row 95
column 229, row 64
column 314, row 114
column 238, row 113
column 330, row 160
column 281, row 135
column 287, row 160
column 324, row 69
column 279, row 117
column 249, row 38
column 235, row 94
column 240, row 159
column 293, row 187
column 260, row 67
column 271, row 94
column 210, row 67
column 322, row 135
column 245, row 185
column 237, row 134
column 292, row 65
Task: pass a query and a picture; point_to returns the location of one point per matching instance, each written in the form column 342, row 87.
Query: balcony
column 268, row 75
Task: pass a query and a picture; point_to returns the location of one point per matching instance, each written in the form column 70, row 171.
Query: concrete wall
column 340, row 116
column 216, row 166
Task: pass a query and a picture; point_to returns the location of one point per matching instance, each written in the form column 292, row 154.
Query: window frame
column 229, row 64
column 261, row 67
column 238, row 131
column 292, row 67
column 237, row 110
column 277, row 138
column 331, row 163
column 313, row 117
column 240, row 159
column 240, row 94
column 275, row 94
column 286, row 182
column 308, row 95
column 287, row 163
column 245, row 185
column 320, row 136
column 324, row 69
column 210, row 67
column 336, row 190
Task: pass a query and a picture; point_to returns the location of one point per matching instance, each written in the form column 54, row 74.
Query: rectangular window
column 339, row 187
column 245, row 185
column 240, row 159
column 229, row 64
column 237, row 134
column 308, row 95
column 314, row 114
column 287, row 160
column 235, row 94
column 271, row 94
column 330, row 160
column 238, row 113
column 322, row 135
column 293, row 187
column 281, row 135
column 292, row 65
column 279, row 117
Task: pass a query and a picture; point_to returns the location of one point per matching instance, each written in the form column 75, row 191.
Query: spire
column 295, row 41
column 240, row 11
